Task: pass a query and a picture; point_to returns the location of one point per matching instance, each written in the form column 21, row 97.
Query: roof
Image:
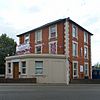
column 54, row 22
column 79, row 25
column 45, row 25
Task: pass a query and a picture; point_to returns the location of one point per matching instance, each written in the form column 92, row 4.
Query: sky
column 19, row 16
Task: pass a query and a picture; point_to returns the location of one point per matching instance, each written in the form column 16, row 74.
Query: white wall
column 54, row 69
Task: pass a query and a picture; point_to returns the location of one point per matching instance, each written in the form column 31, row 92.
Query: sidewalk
column 33, row 84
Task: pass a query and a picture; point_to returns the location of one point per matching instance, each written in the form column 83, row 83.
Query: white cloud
column 18, row 16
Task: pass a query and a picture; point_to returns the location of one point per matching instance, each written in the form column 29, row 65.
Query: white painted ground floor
column 45, row 68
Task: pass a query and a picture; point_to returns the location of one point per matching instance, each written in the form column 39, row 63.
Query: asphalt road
column 49, row 92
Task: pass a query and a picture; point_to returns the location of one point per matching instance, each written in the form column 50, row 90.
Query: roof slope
column 54, row 22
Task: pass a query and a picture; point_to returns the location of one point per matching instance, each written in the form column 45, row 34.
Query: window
column 74, row 31
column 27, row 38
column 38, row 49
column 53, row 47
column 23, row 67
column 86, row 52
column 52, row 33
column 75, row 49
column 38, row 36
column 86, row 69
column 9, row 67
column 85, row 37
column 75, row 69
column 38, row 67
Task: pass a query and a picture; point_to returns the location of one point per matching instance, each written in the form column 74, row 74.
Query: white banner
column 23, row 49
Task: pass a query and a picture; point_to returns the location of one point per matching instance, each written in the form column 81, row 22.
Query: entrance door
column 15, row 70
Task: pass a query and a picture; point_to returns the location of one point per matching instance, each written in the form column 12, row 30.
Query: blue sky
column 18, row 16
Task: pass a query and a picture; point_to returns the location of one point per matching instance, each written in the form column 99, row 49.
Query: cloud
column 5, row 28
column 18, row 16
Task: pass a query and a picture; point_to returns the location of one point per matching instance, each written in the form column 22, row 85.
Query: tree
column 97, row 65
column 7, row 47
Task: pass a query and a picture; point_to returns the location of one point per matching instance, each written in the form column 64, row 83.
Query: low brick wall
column 21, row 80
column 85, row 81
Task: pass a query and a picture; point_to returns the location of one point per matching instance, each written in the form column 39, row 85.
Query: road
column 49, row 92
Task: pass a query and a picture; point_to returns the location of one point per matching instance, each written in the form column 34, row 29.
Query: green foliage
column 7, row 47
column 97, row 65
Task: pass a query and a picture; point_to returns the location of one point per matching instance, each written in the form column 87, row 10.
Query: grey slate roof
column 54, row 22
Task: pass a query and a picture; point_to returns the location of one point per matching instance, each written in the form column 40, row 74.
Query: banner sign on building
column 23, row 49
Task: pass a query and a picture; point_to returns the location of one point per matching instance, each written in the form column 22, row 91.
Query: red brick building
column 62, row 37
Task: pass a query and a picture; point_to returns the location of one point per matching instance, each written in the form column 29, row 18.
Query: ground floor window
column 86, row 69
column 75, row 69
column 38, row 67
column 23, row 67
column 9, row 67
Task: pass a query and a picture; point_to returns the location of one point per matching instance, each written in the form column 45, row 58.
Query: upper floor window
column 86, row 52
column 38, row 49
column 38, row 36
column 23, row 67
column 85, row 37
column 74, row 31
column 26, row 40
column 38, row 67
column 52, row 31
column 53, row 47
column 75, row 49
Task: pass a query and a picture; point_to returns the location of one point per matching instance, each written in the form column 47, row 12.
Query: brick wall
column 21, row 39
column 32, row 42
column 80, row 57
column 60, row 45
column 60, row 31
column 45, row 39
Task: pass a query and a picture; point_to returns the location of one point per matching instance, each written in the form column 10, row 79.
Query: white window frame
column 36, row 47
column 86, row 69
column 23, row 68
column 9, row 68
column 36, row 35
column 73, row 32
column 75, row 76
column 27, row 38
column 85, row 37
column 50, row 31
column 74, row 42
column 50, row 46
column 84, row 52
column 41, row 68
